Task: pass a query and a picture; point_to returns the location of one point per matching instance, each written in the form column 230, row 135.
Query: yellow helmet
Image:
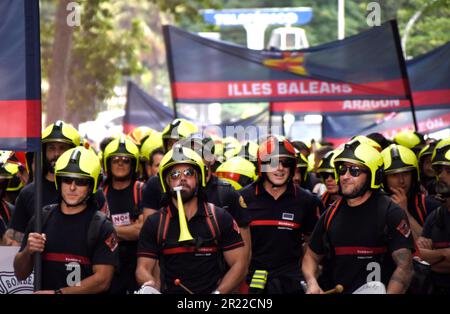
column 249, row 150
column 238, row 171
column 218, row 147
column 8, row 170
column 369, row 141
column 154, row 141
column 398, row 159
column 327, row 163
column 61, row 132
column 302, row 163
column 410, row 139
column 78, row 162
column 441, row 154
column 232, row 147
column 121, row 147
column 365, row 155
column 181, row 155
column 178, row 129
column 139, row 134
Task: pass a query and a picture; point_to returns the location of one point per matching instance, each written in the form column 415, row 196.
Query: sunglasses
column 176, row 174
column 285, row 163
column 78, row 181
column 124, row 159
column 355, row 171
column 325, row 175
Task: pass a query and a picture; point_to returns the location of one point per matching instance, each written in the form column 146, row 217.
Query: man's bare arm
column 13, row 237
column 402, row 276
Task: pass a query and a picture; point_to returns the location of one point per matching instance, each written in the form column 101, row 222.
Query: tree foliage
column 122, row 39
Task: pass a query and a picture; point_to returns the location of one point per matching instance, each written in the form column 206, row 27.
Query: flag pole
column 38, row 217
column 404, row 71
column 168, row 47
column 270, row 118
column 33, row 91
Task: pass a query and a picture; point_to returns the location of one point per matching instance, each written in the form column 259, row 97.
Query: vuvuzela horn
column 185, row 235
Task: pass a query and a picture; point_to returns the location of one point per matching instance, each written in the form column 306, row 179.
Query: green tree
column 98, row 55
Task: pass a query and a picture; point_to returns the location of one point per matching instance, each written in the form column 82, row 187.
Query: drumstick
column 178, row 283
column 337, row 289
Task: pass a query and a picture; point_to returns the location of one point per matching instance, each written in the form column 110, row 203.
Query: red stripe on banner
column 277, row 223
column 283, row 89
column 60, row 257
column 421, row 101
column 340, row 106
column 24, row 117
column 359, row 250
column 180, row 250
column 441, row 245
column 424, row 126
column 432, row 97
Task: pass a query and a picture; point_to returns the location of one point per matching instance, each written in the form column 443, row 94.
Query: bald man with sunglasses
column 365, row 236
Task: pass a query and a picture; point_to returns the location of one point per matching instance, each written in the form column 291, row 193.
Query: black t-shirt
column 217, row 192
column 223, row 195
column 199, row 270
column 277, row 226
column 438, row 230
column 123, row 212
column 152, row 194
column 25, row 203
column 420, row 206
column 358, row 236
column 66, row 256
column 24, row 208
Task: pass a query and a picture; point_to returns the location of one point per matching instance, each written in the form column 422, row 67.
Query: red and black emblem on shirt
column 403, row 228
column 112, row 242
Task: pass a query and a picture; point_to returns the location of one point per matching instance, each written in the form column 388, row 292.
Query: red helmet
column 275, row 146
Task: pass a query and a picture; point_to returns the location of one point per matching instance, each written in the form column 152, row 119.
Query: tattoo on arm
column 14, row 235
column 404, row 272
